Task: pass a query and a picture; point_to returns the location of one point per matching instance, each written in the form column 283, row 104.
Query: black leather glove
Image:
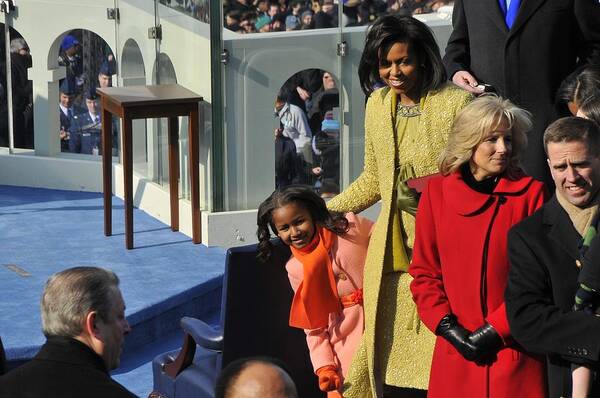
column 486, row 340
column 455, row 334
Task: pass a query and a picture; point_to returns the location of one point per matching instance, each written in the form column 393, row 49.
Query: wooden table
column 141, row 102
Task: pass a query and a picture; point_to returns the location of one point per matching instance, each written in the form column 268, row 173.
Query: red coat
column 461, row 241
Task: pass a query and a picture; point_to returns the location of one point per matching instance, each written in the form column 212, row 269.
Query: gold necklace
column 407, row 110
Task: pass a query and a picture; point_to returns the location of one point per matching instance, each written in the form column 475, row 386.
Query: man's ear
column 549, row 165
column 90, row 325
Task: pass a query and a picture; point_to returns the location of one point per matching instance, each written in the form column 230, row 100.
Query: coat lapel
column 528, row 7
column 385, row 147
column 562, row 230
column 496, row 15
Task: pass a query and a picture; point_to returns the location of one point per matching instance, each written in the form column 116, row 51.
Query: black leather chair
column 254, row 322
column 2, row 359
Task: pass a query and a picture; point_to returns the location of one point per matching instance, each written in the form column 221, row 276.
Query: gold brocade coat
column 377, row 182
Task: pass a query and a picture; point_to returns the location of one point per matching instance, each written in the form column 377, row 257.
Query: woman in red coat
column 460, row 265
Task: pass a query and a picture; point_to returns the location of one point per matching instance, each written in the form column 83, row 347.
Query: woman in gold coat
column 406, row 127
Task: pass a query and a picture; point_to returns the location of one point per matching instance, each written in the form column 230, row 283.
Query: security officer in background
column 86, row 128
column 70, row 58
column 107, row 69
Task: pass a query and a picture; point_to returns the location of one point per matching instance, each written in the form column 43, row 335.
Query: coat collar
column 466, row 201
column 496, row 15
column 283, row 110
column 562, row 230
column 69, row 350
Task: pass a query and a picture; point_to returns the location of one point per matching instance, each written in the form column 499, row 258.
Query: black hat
column 91, row 94
column 67, row 87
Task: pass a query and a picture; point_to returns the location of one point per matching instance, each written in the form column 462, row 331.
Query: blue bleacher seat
column 254, row 322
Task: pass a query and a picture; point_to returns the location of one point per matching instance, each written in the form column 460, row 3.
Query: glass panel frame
column 257, row 67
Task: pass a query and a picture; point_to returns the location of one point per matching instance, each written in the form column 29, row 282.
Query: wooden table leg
column 193, row 142
column 174, row 171
column 128, row 179
column 107, row 170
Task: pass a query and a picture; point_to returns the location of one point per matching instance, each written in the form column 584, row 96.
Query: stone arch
column 164, row 71
column 133, row 70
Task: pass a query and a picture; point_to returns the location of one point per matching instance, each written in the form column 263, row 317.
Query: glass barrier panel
column 182, row 57
column 284, row 120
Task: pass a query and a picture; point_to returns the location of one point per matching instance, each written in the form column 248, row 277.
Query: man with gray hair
column 83, row 319
column 545, row 259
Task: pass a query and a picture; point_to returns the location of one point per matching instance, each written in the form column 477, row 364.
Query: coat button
column 342, row 276
column 578, row 263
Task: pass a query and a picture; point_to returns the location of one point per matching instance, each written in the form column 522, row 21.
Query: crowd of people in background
column 79, row 108
column 198, row 9
column 307, row 140
column 88, row 66
column 252, row 16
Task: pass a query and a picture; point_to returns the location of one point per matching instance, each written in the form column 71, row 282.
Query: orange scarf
column 317, row 295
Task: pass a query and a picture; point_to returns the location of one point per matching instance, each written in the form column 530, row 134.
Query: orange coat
column 460, row 266
column 336, row 344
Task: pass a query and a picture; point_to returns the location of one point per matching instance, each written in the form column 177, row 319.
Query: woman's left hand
column 407, row 199
column 487, row 341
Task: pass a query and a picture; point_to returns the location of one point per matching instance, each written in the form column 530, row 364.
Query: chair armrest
column 202, row 333
column 196, row 332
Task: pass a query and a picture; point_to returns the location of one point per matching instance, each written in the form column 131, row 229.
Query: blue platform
column 165, row 277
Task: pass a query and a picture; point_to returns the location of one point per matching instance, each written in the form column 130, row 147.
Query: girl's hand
column 329, row 380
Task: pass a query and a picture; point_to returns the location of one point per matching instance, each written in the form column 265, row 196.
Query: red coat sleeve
column 427, row 286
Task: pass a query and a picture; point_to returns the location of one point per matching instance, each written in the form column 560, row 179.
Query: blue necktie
column 510, row 12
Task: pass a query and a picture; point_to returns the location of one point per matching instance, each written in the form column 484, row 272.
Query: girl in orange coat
column 460, row 263
column 326, row 273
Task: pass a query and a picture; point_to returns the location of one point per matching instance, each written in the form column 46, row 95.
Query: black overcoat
column 544, row 257
column 63, row 368
column 548, row 39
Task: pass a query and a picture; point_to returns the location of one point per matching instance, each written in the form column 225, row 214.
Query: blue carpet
column 44, row 231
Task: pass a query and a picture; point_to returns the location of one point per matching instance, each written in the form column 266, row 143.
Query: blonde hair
column 475, row 121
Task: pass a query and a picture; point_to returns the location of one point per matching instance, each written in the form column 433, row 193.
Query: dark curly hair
column 588, row 83
column 591, row 108
column 301, row 195
column 389, row 30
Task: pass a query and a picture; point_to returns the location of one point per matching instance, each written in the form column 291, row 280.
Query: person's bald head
column 255, row 378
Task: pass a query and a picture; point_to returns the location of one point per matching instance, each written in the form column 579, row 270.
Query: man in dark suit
column 545, row 259
column 524, row 49
column 84, row 323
